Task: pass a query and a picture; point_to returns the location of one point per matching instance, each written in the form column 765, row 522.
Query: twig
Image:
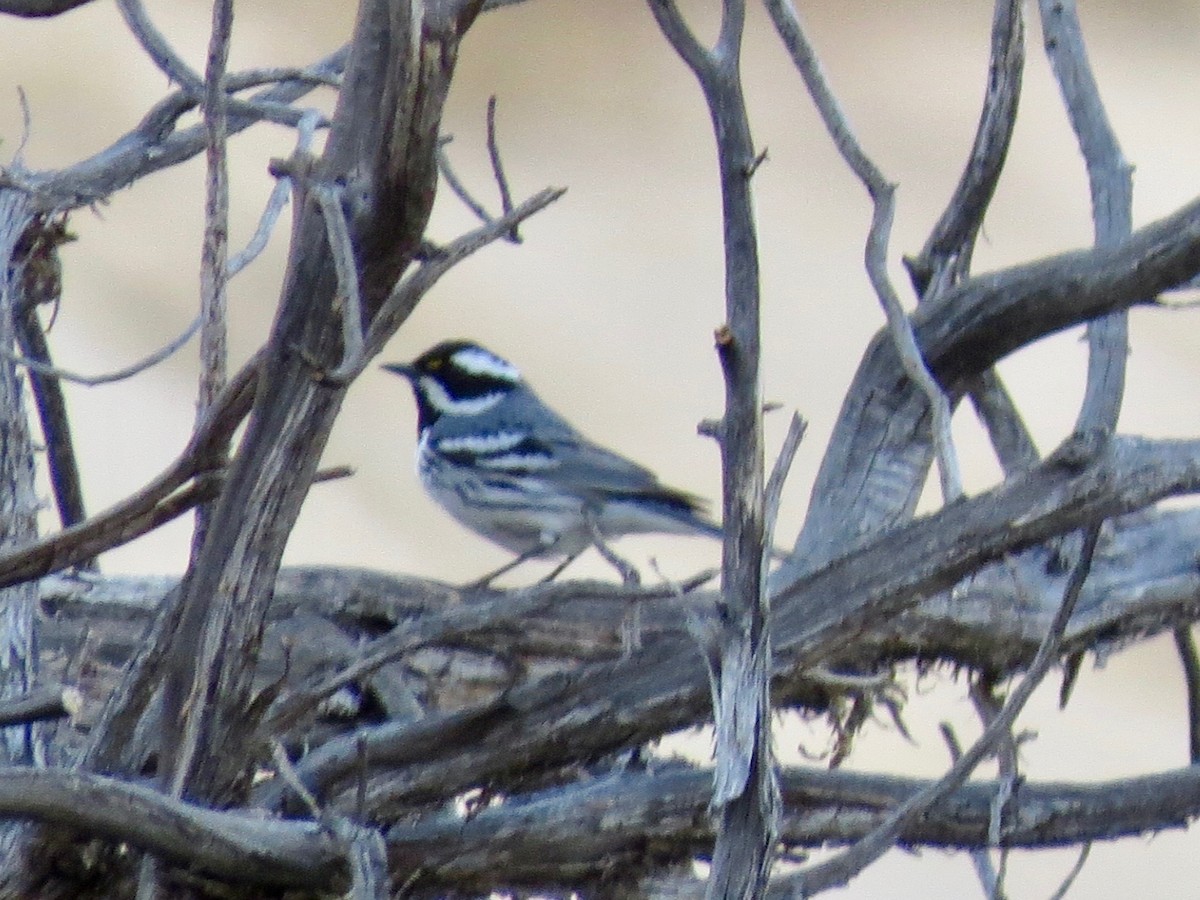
column 237, row 263
column 845, row 865
column 159, row 49
column 987, row 708
column 41, row 283
column 415, row 284
column 460, row 190
column 155, row 144
column 286, row 771
column 506, row 204
column 745, row 790
column 366, row 858
column 773, row 492
column 1069, row 880
column 341, row 248
column 47, row 702
column 129, row 371
column 989, row 880
column 455, row 184
column 882, row 194
column 167, row 496
column 171, row 64
column 945, row 258
column 1110, row 179
column 305, row 133
column 1185, row 646
column 226, row 844
column 214, row 253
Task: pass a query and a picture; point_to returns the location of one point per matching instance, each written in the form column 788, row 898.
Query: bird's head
column 457, row 378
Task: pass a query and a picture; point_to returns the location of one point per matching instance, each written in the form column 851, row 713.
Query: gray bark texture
column 245, row 730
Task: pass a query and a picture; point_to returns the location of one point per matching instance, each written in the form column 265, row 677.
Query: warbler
column 507, row 466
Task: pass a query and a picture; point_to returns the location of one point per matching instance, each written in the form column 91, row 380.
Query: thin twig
column 341, row 248
column 285, row 770
column 773, row 492
column 305, row 134
column 41, row 284
column 414, row 285
column 506, row 204
column 1069, row 880
column 171, row 64
column 1185, row 646
column 882, row 194
column 945, row 258
column 989, row 880
column 159, row 49
column 156, row 143
column 455, row 184
column 45, row 702
column 1110, row 179
column 129, row 371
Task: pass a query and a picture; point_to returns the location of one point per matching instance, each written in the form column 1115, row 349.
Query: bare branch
column 1110, row 178
column 147, row 362
column 415, row 284
column 682, row 39
column 1185, row 646
column 342, row 250
column 816, row 619
column 226, row 844
column 156, row 144
column 948, row 248
column 37, row 259
column 1069, row 880
column 882, row 195
column 164, row 498
column 779, row 473
column 214, row 253
column 745, row 791
column 882, row 424
column 46, row 702
column 506, row 204
column 627, row 824
column 846, row 865
column 159, row 49
column 455, row 184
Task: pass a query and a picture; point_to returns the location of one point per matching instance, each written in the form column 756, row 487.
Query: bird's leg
column 543, row 546
column 629, row 575
column 557, row 570
column 487, row 579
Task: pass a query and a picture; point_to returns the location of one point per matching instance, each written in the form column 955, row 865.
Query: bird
column 498, row 459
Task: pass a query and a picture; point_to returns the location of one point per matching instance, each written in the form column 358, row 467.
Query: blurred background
column 609, row 305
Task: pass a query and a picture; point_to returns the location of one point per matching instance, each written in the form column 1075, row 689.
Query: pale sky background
column 609, row 305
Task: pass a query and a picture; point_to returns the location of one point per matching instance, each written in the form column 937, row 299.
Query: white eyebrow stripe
column 478, row 361
column 518, row 462
column 440, row 399
column 497, row 442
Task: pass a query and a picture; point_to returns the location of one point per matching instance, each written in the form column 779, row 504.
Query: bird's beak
column 402, row 369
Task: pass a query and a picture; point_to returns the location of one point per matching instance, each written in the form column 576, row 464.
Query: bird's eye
column 435, row 364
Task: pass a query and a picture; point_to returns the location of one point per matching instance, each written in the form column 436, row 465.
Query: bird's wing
column 595, row 472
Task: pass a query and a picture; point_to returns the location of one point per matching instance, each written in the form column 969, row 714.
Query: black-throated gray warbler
column 508, row 467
